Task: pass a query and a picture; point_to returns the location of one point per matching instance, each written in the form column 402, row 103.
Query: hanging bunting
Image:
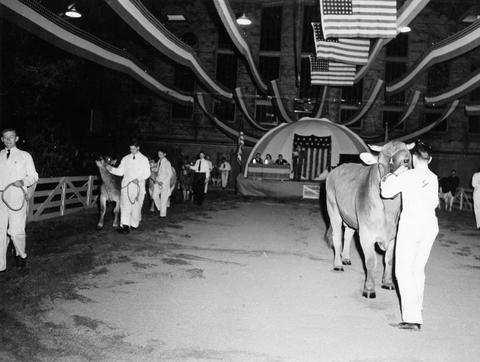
column 374, row 92
column 456, row 91
column 277, row 103
column 326, row 72
column 229, row 21
column 472, row 109
column 228, row 131
column 409, row 10
column 148, row 27
column 52, row 28
column 240, row 99
column 425, row 129
column 343, row 50
column 359, row 18
column 453, row 46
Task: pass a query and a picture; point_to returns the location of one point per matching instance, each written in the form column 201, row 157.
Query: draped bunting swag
column 456, row 91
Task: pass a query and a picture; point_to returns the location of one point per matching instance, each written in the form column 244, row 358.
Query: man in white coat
column 161, row 189
column 135, row 169
column 417, row 230
column 17, row 172
column 225, row 169
column 476, row 197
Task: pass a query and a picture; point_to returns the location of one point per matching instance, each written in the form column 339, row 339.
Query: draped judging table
column 269, row 172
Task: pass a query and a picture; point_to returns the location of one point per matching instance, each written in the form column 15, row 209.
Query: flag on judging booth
column 345, row 50
column 359, row 18
column 315, row 154
column 326, row 72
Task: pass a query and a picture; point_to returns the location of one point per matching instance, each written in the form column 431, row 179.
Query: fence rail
column 58, row 196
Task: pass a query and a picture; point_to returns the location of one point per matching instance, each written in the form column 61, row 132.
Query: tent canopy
column 279, row 140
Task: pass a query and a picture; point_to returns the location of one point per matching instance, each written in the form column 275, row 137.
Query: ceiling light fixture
column 243, row 20
column 176, row 17
column 405, row 29
column 72, row 12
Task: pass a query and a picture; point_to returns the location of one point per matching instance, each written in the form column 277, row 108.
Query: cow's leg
column 347, row 241
column 368, row 247
column 103, row 208
column 336, row 229
column 387, row 281
column 116, row 214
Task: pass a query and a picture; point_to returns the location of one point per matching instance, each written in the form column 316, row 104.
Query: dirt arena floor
column 235, row 280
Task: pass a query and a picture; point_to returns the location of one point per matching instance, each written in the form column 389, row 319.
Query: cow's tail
column 329, row 236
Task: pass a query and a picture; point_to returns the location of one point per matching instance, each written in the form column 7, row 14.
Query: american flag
column 359, row 18
column 315, row 154
column 345, row 50
column 241, row 142
column 326, row 72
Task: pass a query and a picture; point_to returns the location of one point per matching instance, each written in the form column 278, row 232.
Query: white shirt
column 19, row 166
column 202, row 166
column 225, row 166
column 164, row 172
column 131, row 169
column 476, row 180
column 419, row 188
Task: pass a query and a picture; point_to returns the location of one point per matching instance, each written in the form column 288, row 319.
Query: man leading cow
column 17, row 172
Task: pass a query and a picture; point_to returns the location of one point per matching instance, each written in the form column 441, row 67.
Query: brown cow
column 109, row 190
column 354, row 201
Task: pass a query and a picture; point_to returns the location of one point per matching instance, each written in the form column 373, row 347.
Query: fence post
column 89, row 190
column 64, row 192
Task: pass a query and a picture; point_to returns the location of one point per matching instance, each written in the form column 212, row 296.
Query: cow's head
column 103, row 161
column 391, row 156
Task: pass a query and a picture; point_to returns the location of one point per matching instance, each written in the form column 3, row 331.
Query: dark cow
column 109, row 190
column 354, row 201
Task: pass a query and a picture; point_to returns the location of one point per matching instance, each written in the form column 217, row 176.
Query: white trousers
column 13, row 223
column 131, row 209
column 160, row 198
column 476, row 204
column 225, row 178
column 414, row 243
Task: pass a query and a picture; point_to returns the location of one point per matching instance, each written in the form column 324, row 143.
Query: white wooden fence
column 58, row 196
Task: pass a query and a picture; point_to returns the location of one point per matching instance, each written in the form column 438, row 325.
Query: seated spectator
column 448, row 188
column 257, row 159
column 268, row 159
column 281, row 161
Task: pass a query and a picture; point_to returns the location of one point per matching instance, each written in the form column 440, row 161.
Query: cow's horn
column 410, row 145
column 375, row 148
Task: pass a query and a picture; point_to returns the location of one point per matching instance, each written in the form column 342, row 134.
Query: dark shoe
column 133, row 229
column 22, row 265
column 409, row 326
column 123, row 229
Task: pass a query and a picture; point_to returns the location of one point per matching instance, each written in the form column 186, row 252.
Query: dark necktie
column 8, row 154
column 199, row 165
column 133, row 156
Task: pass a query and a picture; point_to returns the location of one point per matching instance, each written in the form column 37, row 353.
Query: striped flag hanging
column 315, row 155
column 326, row 72
column 359, row 18
column 345, row 50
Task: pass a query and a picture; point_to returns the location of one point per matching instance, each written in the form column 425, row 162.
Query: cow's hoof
column 99, row 227
column 338, row 268
column 369, row 294
column 346, row 262
column 388, row 286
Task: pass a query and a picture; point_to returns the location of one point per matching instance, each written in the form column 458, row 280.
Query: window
column 271, row 28
column 184, row 80
column 347, row 114
column 431, row 117
column 224, row 40
column 311, row 14
column 306, row 89
column 392, row 117
column 224, row 111
column 438, row 77
column 269, row 67
column 398, row 47
column 227, row 69
column 353, row 94
column 264, row 113
column 474, row 124
column 393, row 70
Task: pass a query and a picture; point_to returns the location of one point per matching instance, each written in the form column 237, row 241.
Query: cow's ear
column 368, row 158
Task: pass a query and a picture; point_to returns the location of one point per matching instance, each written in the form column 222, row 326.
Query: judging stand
column 269, row 172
